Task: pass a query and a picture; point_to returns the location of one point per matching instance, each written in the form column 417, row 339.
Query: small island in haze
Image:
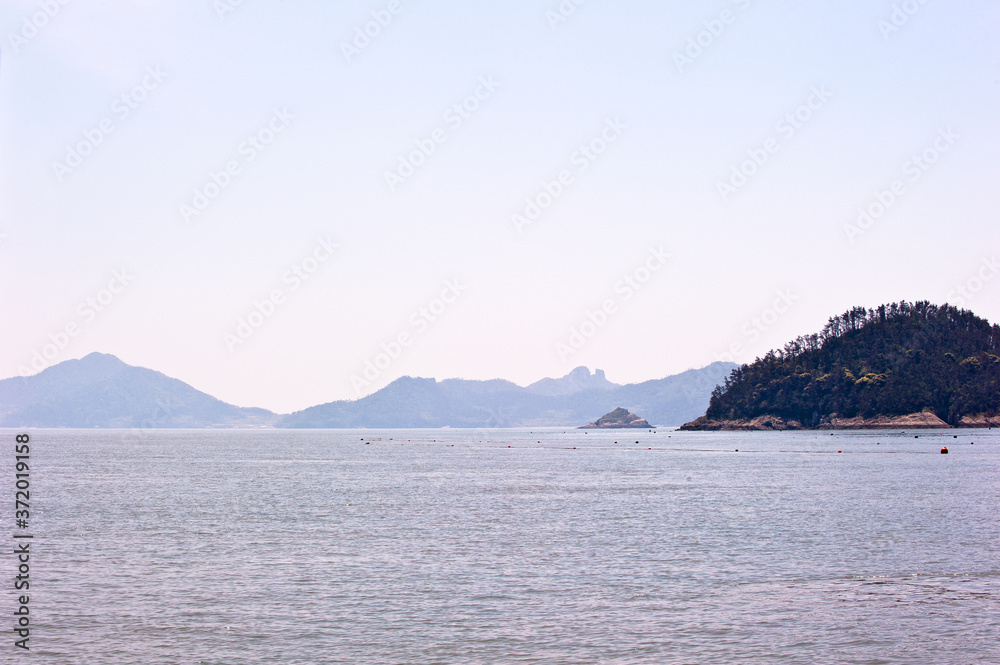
column 903, row 365
column 620, row 418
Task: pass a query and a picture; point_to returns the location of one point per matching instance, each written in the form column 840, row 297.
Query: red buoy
column 944, row 451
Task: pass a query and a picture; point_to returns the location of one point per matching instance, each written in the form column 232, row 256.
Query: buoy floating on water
column 944, row 451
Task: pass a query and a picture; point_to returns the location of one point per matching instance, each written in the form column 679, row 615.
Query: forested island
column 903, row 365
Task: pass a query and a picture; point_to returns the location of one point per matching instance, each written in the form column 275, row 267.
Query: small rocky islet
column 620, row 418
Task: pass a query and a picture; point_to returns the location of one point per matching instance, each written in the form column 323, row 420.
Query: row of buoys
column 944, row 450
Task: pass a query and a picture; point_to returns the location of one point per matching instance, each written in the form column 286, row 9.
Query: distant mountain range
column 100, row 390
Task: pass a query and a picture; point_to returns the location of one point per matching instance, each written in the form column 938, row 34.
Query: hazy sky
column 513, row 188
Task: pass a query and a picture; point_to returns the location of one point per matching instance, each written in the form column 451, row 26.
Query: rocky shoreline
column 979, row 421
column 921, row 420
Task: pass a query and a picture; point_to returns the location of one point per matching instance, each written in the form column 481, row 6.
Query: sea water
column 509, row 546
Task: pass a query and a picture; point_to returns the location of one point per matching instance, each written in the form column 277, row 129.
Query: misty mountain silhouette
column 100, row 390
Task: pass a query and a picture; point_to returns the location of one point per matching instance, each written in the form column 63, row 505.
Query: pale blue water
column 313, row 547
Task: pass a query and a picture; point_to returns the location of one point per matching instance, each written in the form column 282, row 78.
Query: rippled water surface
column 512, row 546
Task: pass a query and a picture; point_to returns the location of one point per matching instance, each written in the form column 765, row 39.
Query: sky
column 288, row 203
